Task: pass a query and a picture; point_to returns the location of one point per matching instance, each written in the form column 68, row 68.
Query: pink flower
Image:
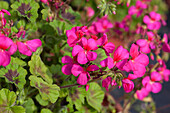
column 107, row 46
column 166, row 46
column 83, row 52
column 128, row 85
column 137, row 9
column 142, row 93
column 28, row 47
column 138, row 62
column 107, row 81
column 152, row 22
column 75, row 34
column 2, row 19
column 119, row 54
column 5, row 43
column 103, row 25
column 90, row 12
column 164, row 72
column 152, row 84
column 66, row 69
column 44, row 1
column 83, row 74
column 146, row 45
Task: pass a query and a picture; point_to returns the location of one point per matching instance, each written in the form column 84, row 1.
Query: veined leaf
column 7, row 102
column 47, row 91
column 38, row 68
column 26, row 8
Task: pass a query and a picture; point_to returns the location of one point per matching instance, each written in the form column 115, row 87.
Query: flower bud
column 128, row 85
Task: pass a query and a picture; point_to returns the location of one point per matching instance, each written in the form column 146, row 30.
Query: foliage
column 69, row 56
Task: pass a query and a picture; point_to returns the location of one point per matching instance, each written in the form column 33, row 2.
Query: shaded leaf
column 41, row 101
column 26, row 8
column 47, row 91
column 44, row 110
column 95, row 96
column 14, row 73
column 4, row 5
column 38, row 68
column 7, row 102
column 29, row 106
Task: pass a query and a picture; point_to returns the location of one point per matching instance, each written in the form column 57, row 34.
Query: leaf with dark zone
column 11, row 76
column 68, row 16
column 25, row 8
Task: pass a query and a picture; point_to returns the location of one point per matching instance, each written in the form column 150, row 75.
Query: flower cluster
column 135, row 62
column 102, row 25
column 10, row 44
column 84, row 46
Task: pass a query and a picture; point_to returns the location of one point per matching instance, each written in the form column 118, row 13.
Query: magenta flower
column 101, row 26
column 26, row 48
column 5, row 43
column 146, row 45
column 142, row 93
column 107, row 81
column 107, row 46
column 152, row 84
column 137, row 9
column 166, row 46
column 119, row 54
column 138, row 62
column 128, row 85
column 66, row 69
column 75, row 34
column 2, row 19
column 152, row 21
column 164, row 72
column 90, row 12
column 83, row 74
column 83, row 52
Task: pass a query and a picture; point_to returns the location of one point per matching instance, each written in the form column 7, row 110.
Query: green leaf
column 47, row 91
column 44, row 13
column 21, row 23
column 38, row 68
column 14, row 73
column 77, row 99
column 18, row 62
column 7, row 102
column 95, row 96
column 29, row 106
column 17, row 109
column 41, row 101
column 26, row 8
column 71, row 17
column 46, row 111
column 4, row 5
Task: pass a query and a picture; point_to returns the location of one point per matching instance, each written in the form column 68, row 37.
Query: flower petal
column 93, row 68
column 81, row 58
column 66, row 69
column 91, row 56
column 82, row 79
column 66, row 59
column 76, row 50
column 33, row 44
column 76, row 69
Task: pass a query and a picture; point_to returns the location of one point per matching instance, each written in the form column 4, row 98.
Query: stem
column 91, row 20
column 155, row 66
column 72, row 85
column 163, row 107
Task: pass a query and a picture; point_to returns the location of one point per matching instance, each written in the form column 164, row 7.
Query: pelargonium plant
column 74, row 55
